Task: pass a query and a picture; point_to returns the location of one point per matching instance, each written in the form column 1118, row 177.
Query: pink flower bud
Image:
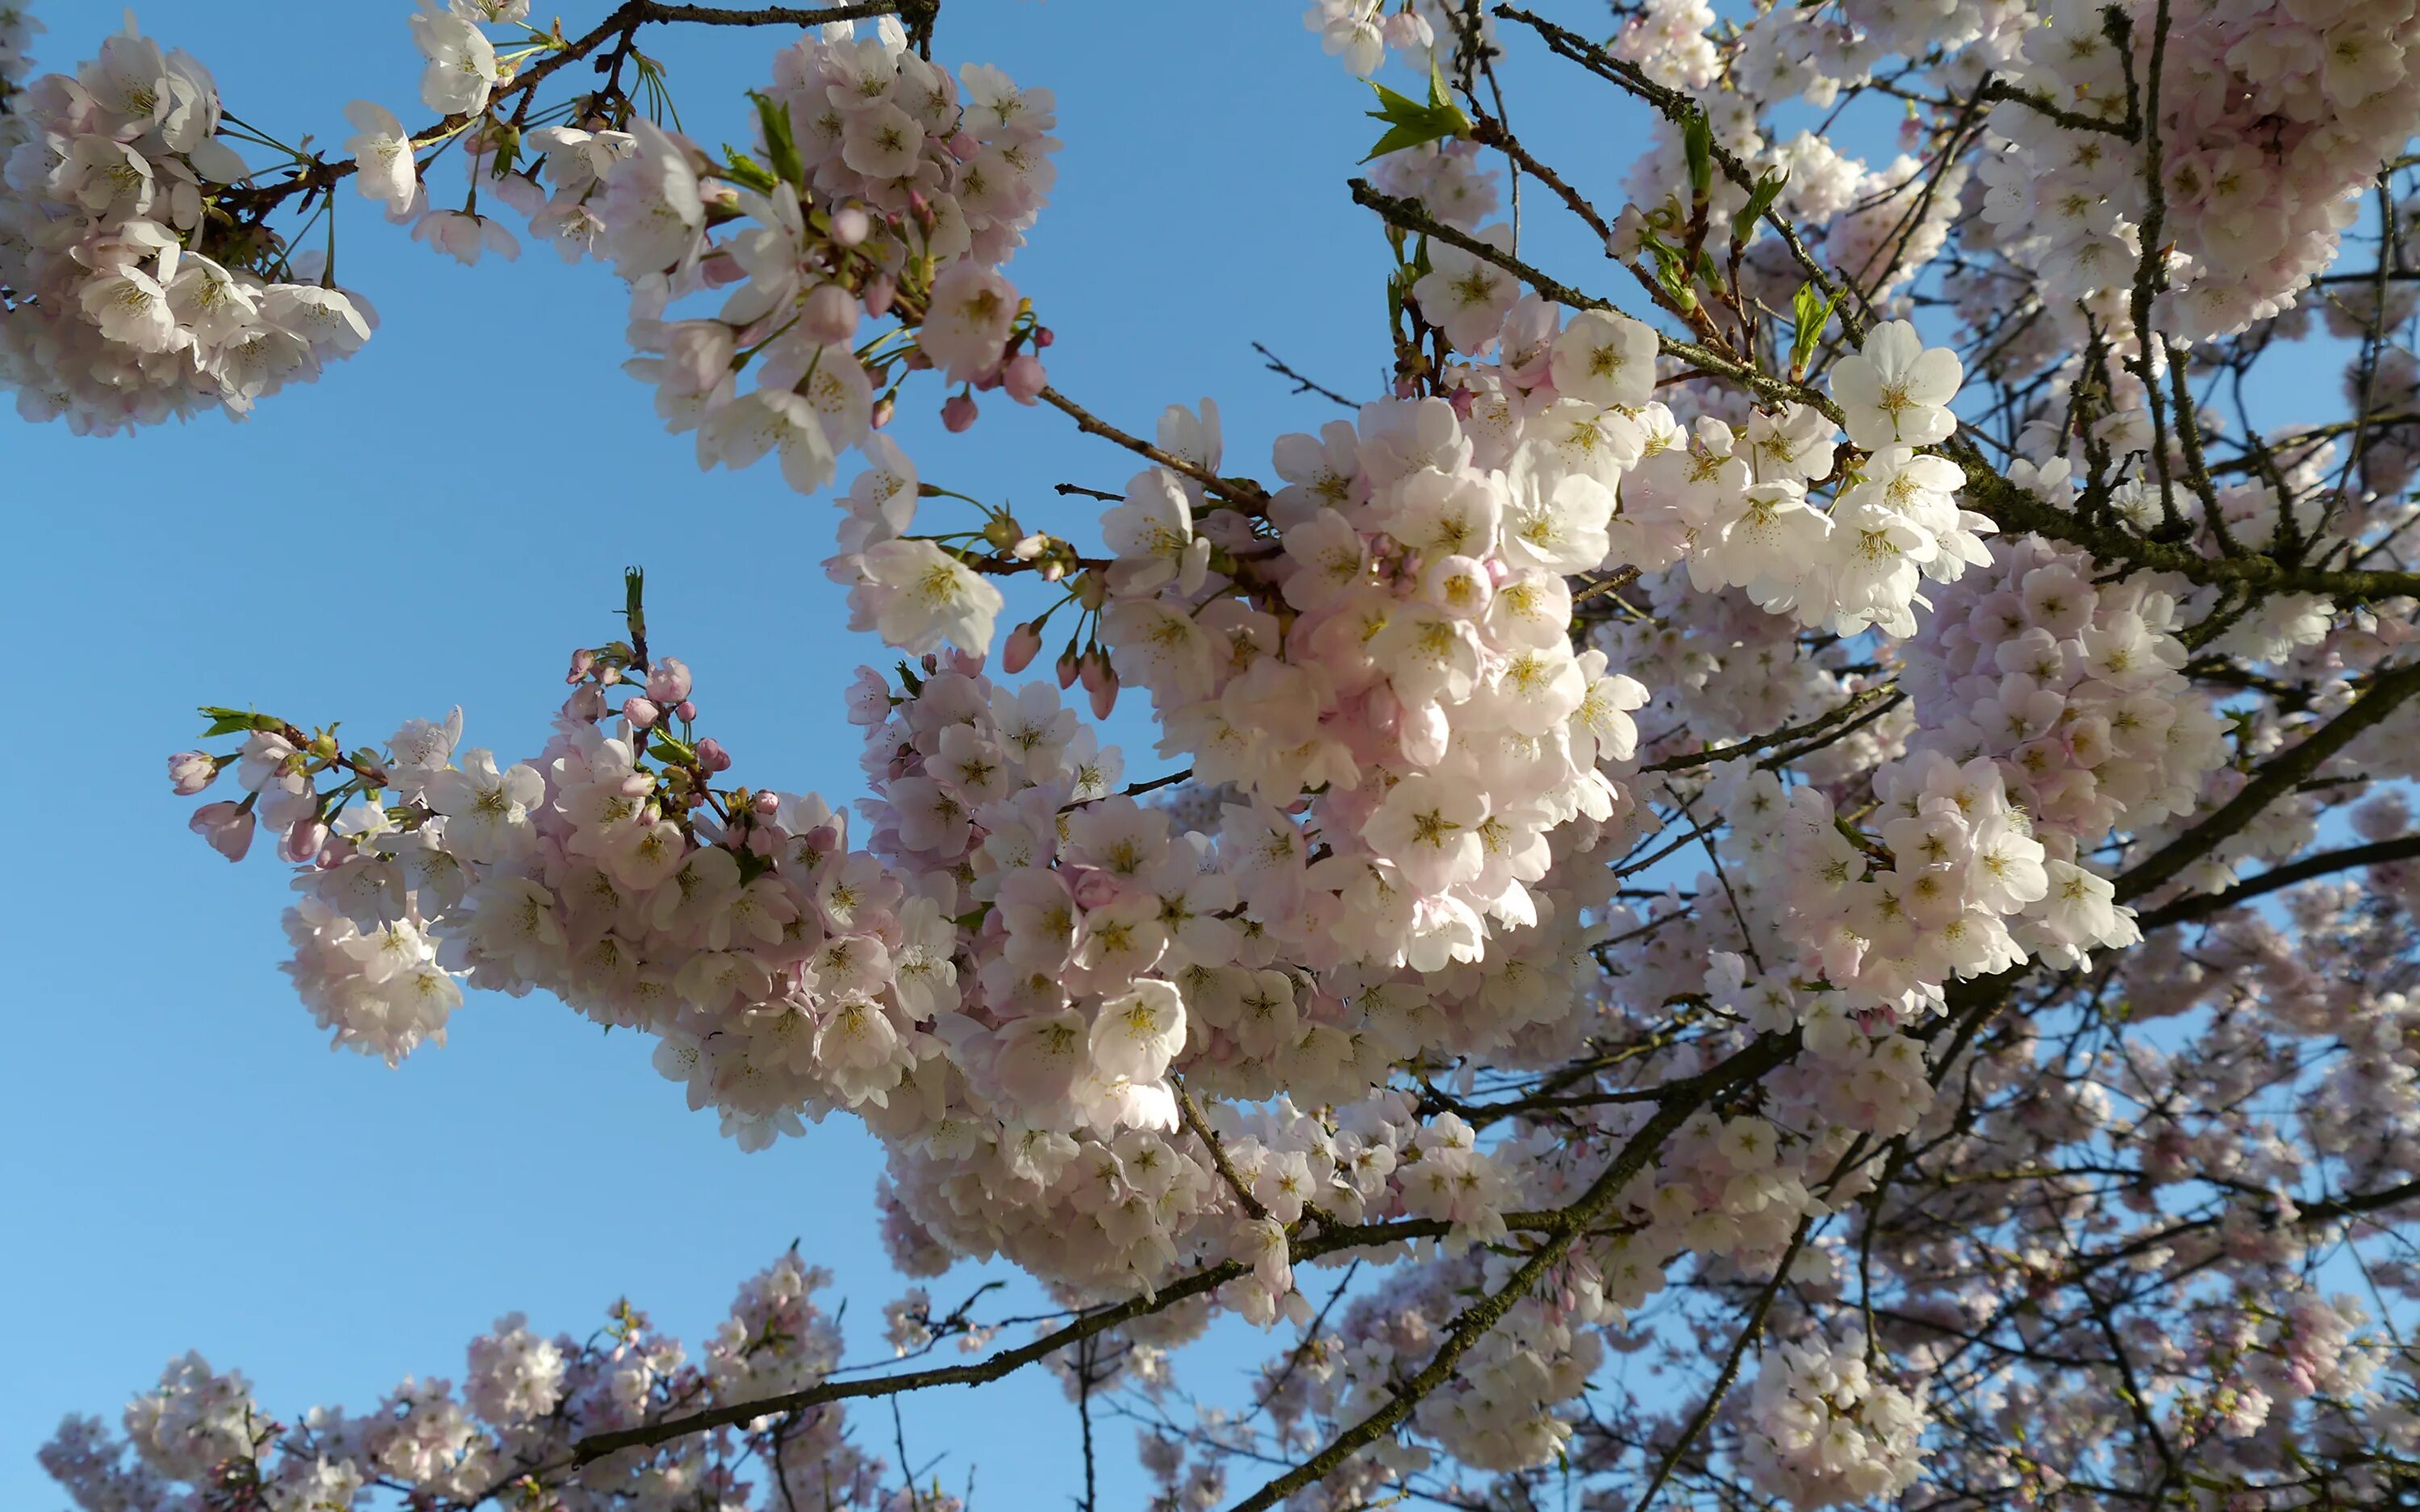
column 1105, row 697
column 192, row 771
column 668, row 680
column 582, row 662
column 1024, row 644
column 301, row 842
column 829, row 316
column 959, row 413
column 851, row 225
column 712, row 757
column 1069, row 667
column 768, row 803
column 686, row 709
column 1093, row 886
column 642, row 713
column 227, row 826
column 1044, row 336
column 884, row 409
column 1025, row 379
column 1095, row 669
column 879, row 295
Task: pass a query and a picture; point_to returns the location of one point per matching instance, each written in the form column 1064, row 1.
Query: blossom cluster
column 121, row 301
column 2271, row 122
column 1824, row 1430
column 880, row 187
column 199, row 1438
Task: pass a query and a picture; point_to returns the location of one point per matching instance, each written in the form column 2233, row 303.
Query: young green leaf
column 780, row 146
column 746, row 170
column 1697, row 141
column 225, row 722
column 1812, row 312
column 1410, row 123
column 1759, row 200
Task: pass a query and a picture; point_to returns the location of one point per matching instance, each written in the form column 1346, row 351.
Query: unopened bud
column 851, row 225
column 1024, row 644
column 686, row 709
column 301, row 842
column 582, row 662
column 1069, row 667
column 959, row 412
column 227, row 826
column 192, row 771
column 879, row 295
column 642, row 713
column 829, row 314
column 668, row 680
column 1025, row 379
column 712, row 757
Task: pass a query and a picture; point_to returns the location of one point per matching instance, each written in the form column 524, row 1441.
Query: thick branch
column 2274, row 781
column 2185, row 910
column 2013, row 508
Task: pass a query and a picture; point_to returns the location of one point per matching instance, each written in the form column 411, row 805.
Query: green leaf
column 1812, row 312
column 1768, row 189
column 1410, row 123
column 746, row 170
column 780, row 146
column 507, row 139
column 229, row 721
column 1697, row 141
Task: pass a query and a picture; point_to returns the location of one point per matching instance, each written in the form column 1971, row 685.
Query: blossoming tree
column 1819, row 800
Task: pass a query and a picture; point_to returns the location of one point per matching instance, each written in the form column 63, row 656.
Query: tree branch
column 2276, row 780
column 1681, row 1100
column 2185, row 910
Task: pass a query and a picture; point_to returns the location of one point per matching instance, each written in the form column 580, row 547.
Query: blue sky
column 440, row 521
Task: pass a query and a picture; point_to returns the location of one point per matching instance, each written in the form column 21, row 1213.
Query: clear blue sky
column 440, row 521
